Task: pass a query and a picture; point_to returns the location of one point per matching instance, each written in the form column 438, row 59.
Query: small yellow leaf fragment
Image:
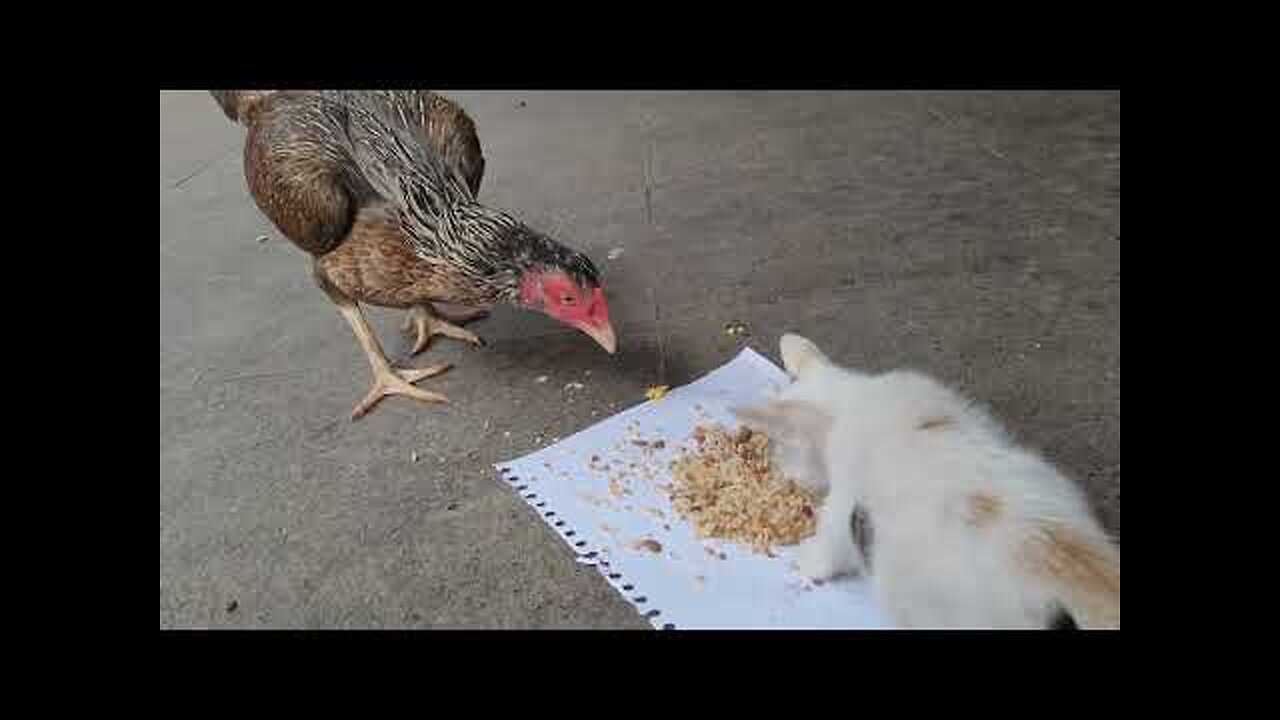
column 656, row 392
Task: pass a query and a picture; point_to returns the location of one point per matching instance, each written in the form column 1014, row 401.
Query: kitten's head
column 787, row 421
column 798, row 409
column 797, row 421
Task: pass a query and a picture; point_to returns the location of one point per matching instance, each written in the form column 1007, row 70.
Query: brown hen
column 380, row 188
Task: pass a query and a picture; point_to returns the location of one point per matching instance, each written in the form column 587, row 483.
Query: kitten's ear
column 786, row 419
column 799, row 355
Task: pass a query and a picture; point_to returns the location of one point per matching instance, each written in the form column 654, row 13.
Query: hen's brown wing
column 442, row 126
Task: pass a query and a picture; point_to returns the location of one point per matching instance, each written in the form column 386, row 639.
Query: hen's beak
column 603, row 334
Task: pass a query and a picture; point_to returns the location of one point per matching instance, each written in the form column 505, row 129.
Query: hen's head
column 565, row 285
column 520, row 265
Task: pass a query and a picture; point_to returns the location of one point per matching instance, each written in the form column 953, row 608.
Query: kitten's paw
column 816, row 560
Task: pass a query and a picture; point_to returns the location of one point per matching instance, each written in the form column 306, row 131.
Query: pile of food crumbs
column 727, row 489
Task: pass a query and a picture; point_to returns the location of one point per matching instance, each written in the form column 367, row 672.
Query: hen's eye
column 568, row 300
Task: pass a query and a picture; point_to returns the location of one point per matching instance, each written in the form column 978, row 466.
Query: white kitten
column 958, row 526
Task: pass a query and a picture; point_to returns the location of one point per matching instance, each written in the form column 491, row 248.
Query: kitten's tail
column 1083, row 573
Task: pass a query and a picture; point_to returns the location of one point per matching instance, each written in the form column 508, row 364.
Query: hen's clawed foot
column 399, row 381
column 428, row 322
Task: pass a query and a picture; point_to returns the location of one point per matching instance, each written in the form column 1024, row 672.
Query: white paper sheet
column 686, row 584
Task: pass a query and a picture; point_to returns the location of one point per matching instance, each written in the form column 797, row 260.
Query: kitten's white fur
column 969, row 530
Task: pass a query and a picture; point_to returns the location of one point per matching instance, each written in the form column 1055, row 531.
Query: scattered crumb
column 618, row 488
column 542, row 378
column 233, row 606
column 573, row 386
column 649, row 544
column 615, row 253
column 655, row 512
column 413, row 457
column 597, row 501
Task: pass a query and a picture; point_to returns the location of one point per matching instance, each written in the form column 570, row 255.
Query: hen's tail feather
column 240, row 105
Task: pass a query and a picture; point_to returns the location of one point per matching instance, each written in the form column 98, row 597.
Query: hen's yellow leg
column 386, row 379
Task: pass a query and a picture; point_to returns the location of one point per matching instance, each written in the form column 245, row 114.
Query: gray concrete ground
column 972, row 235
